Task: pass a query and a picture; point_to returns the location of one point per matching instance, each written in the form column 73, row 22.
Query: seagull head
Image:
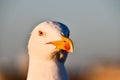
column 48, row 39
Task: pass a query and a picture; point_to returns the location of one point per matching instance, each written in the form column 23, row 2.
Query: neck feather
column 46, row 70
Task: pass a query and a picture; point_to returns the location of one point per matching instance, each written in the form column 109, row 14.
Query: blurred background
column 95, row 31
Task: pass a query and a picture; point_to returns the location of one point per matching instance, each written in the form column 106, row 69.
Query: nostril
column 65, row 41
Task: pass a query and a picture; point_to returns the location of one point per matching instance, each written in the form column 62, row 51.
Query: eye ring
column 40, row 33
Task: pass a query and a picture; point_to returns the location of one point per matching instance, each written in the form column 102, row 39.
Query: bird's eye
column 40, row 33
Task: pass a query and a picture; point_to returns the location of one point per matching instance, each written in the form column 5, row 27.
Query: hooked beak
column 64, row 44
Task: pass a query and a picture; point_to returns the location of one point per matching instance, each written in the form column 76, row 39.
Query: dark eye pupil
column 40, row 33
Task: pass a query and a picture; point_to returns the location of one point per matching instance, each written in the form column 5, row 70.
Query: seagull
column 48, row 47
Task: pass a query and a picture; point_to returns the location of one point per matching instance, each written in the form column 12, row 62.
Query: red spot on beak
column 67, row 47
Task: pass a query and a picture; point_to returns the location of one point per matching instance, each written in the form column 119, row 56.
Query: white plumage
column 48, row 48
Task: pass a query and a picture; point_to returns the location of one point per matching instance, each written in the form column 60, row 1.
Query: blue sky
column 94, row 26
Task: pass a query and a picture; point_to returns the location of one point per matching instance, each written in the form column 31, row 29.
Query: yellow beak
column 64, row 44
